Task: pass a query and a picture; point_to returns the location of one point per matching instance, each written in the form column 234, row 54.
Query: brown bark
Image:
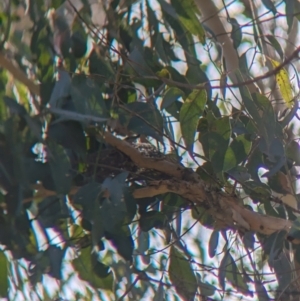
column 225, row 208
column 211, row 18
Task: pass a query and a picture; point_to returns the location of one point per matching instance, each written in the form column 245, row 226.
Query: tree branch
column 18, row 74
column 211, row 18
column 223, row 207
column 189, row 185
column 163, row 166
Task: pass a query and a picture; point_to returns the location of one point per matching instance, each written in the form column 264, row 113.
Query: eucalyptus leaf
column 213, row 243
column 3, row 275
column 236, row 32
column 182, row 275
column 190, row 112
column 60, row 168
column 222, row 270
column 84, row 266
column 171, row 95
column 270, row 5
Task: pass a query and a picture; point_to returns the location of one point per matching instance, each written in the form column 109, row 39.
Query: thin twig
column 75, row 116
column 129, row 288
column 270, row 73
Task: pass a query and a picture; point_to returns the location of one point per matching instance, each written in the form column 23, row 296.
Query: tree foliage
column 149, row 150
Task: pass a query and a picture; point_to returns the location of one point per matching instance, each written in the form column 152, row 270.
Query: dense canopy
column 149, row 150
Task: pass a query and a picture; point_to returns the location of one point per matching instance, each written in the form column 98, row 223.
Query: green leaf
column 196, row 75
column 259, row 192
column 159, row 47
column 113, row 210
column 235, row 277
column 289, row 13
column 201, row 214
column 284, row 273
column 138, row 63
column 40, row 43
column 272, row 39
column 177, row 77
column 206, row 288
column 78, row 40
column 206, row 172
column 184, row 37
column 290, row 115
column 152, row 21
column 56, row 255
column 254, row 163
column 100, row 269
column 142, row 118
column 284, row 84
column 268, row 243
column 60, row 168
column 222, row 269
column 171, row 204
column 275, row 155
column 87, row 194
column 84, row 266
column 264, row 104
column 189, row 115
column 50, row 211
column 268, row 117
column 237, row 152
column 87, row 96
column 261, row 291
column 14, row 144
column 236, row 32
column 239, row 173
column 41, row 264
column 3, row 275
column 171, row 95
column 213, row 243
column 249, row 240
column 174, row 109
column 100, row 67
column 243, row 64
column 270, row 210
column 122, row 241
column 187, row 13
column 143, row 242
column 61, row 89
column 98, row 225
column 277, row 247
column 181, row 275
column 131, row 205
column 112, row 215
column 14, row 107
column 127, row 92
column 70, row 135
column 76, row 232
column 248, row 101
column 152, row 219
column 279, row 183
column 296, row 10
column 214, row 136
column 116, row 187
column 293, row 152
column 160, row 293
column 170, row 51
column 297, row 253
column 270, row 5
